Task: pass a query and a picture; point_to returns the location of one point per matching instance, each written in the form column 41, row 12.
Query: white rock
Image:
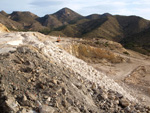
column 12, row 104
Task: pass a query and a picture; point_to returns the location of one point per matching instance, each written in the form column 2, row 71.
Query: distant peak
column 65, row 10
column 14, row 12
column 3, row 12
column 66, row 13
column 93, row 16
column 107, row 14
column 23, row 12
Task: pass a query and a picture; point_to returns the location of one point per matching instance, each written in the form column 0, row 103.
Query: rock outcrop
column 3, row 28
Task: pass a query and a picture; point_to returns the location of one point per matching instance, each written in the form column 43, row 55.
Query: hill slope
column 27, row 20
column 10, row 24
column 41, row 78
column 66, row 22
column 139, row 42
column 107, row 26
column 60, row 18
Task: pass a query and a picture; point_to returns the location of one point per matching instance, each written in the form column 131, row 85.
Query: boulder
column 124, row 102
column 12, row 105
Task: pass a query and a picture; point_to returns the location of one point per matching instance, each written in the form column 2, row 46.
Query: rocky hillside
column 42, row 78
column 138, row 42
column 10, row 24
column 66, row 22
column 27, row 20
column 62, row 17
column 112, row 27
column 30, row 21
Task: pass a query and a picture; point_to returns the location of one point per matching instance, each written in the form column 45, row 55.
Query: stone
column 105, row 96
column 119, row 95
column 41, row 85
column 124, row 102
column 63, row 91
column 111, row 96
column 100, row 97
column 127, row 109
column 116, row 102
column 31, row 96
column 12, row 104
column 24, row 98
column 63, row 103
column 48, row 99
column 69, row 101
column 29, row 80
column 47, row 109
column 22, row 50
column 17, row 61
column 33, row 79
column 45, row 97
column 94, row 86
column 2, row 89
column 27, row 103
column 15, row 87
column 24, row 110
column 72, row 110
column 79, row 86
column 54, row 81
column 26, row 70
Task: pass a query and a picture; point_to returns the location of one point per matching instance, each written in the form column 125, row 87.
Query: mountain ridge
column 66, row 22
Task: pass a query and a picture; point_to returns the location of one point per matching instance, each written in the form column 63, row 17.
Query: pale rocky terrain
column 38, row 74
column 128, row 68
column 3, row 28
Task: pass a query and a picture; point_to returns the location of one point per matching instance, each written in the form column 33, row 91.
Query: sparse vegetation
column 106, row 44
column 97, row 42
column 45, row 31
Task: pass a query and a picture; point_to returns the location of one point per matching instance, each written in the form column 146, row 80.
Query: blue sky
column 83, row 7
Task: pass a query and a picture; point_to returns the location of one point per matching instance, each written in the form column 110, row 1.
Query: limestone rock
column 47, row 109
column 3, row 28
column 31, row 96
column 124, row 102
column 12, row 104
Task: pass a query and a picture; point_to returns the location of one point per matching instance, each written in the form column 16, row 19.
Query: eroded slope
column 37, row 76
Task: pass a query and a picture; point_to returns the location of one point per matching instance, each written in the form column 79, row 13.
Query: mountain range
column 131, row 31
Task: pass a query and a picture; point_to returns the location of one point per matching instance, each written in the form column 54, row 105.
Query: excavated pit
column 92, row 54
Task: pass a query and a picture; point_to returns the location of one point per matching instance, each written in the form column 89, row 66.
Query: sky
column 83, row 7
